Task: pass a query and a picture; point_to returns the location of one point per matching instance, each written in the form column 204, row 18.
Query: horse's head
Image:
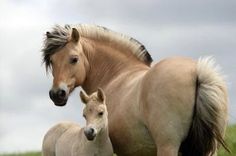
column 64, row 55
column 95, row 113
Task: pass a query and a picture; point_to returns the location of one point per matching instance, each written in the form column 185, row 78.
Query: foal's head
column 63, row 54
column 95, row 113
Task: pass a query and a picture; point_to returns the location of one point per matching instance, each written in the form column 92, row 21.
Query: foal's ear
column 84, row 97
column 75, row 35
column 101, row 95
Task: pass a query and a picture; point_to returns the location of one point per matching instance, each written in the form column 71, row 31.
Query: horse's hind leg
column 168, row 127
column 166, row 130
column 167, row 144
column 167, row 141
column 167, row 150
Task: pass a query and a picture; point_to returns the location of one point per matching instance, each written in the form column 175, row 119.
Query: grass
column 23, row 154
column 230, row 140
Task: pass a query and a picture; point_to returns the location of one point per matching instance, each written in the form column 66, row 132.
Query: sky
column 166, row 27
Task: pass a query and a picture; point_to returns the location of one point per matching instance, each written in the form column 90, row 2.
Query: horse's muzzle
column 90, row 133
column 59, row 97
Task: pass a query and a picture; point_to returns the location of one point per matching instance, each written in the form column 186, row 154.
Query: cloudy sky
column 165, row 27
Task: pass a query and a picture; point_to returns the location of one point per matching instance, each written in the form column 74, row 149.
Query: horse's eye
column 100, row 113
column 84, row 116
column 74, row 60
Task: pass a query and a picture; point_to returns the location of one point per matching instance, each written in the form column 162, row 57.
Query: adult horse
column 176, row 105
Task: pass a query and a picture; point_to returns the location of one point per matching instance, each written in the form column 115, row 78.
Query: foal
column 68, row 139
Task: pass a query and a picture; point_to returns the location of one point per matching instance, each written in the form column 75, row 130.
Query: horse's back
column 52, row 136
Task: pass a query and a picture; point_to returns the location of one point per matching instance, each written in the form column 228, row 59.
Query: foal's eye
column 100, row 113
column 84, row 116
column 74, row 60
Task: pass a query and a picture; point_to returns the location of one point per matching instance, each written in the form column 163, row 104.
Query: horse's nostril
column 61, row 93
column 51, row 94
column 91, row 130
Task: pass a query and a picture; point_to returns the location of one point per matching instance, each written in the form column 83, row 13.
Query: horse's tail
column 210, row 112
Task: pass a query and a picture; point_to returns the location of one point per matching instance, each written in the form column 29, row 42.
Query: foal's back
column 53, row 135
column 71, row 142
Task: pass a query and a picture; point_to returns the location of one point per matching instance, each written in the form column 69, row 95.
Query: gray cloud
column 154, row 12
column 166, row 28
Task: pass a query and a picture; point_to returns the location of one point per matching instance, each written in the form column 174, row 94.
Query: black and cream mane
column 59, row 37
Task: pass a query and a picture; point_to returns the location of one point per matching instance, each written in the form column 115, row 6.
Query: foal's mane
column 59, row 37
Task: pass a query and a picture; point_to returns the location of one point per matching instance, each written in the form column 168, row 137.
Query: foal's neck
column 103, row 136
column 105, row 63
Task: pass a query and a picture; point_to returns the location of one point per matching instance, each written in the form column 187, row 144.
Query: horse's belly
column 129, row 141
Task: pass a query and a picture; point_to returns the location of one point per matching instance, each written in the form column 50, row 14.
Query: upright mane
column 59, row 37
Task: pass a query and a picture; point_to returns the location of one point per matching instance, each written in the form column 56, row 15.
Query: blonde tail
column 210, row 113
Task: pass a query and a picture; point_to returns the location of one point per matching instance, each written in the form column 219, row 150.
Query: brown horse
column 176, row 105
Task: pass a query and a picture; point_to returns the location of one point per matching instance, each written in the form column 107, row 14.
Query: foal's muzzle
column 90, row 133
column 59, row 97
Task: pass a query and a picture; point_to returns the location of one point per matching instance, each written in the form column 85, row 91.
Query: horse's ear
column 101, row 95
column 84, row 97
column 75, row 35
column 48, row 34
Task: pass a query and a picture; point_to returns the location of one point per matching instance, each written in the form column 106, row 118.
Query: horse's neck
column 105, row 64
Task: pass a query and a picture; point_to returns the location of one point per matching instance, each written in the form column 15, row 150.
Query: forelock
column 54, row 41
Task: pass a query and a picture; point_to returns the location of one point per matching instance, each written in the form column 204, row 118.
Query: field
column 23, row 154
column 230, row 139
column 231, row 142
